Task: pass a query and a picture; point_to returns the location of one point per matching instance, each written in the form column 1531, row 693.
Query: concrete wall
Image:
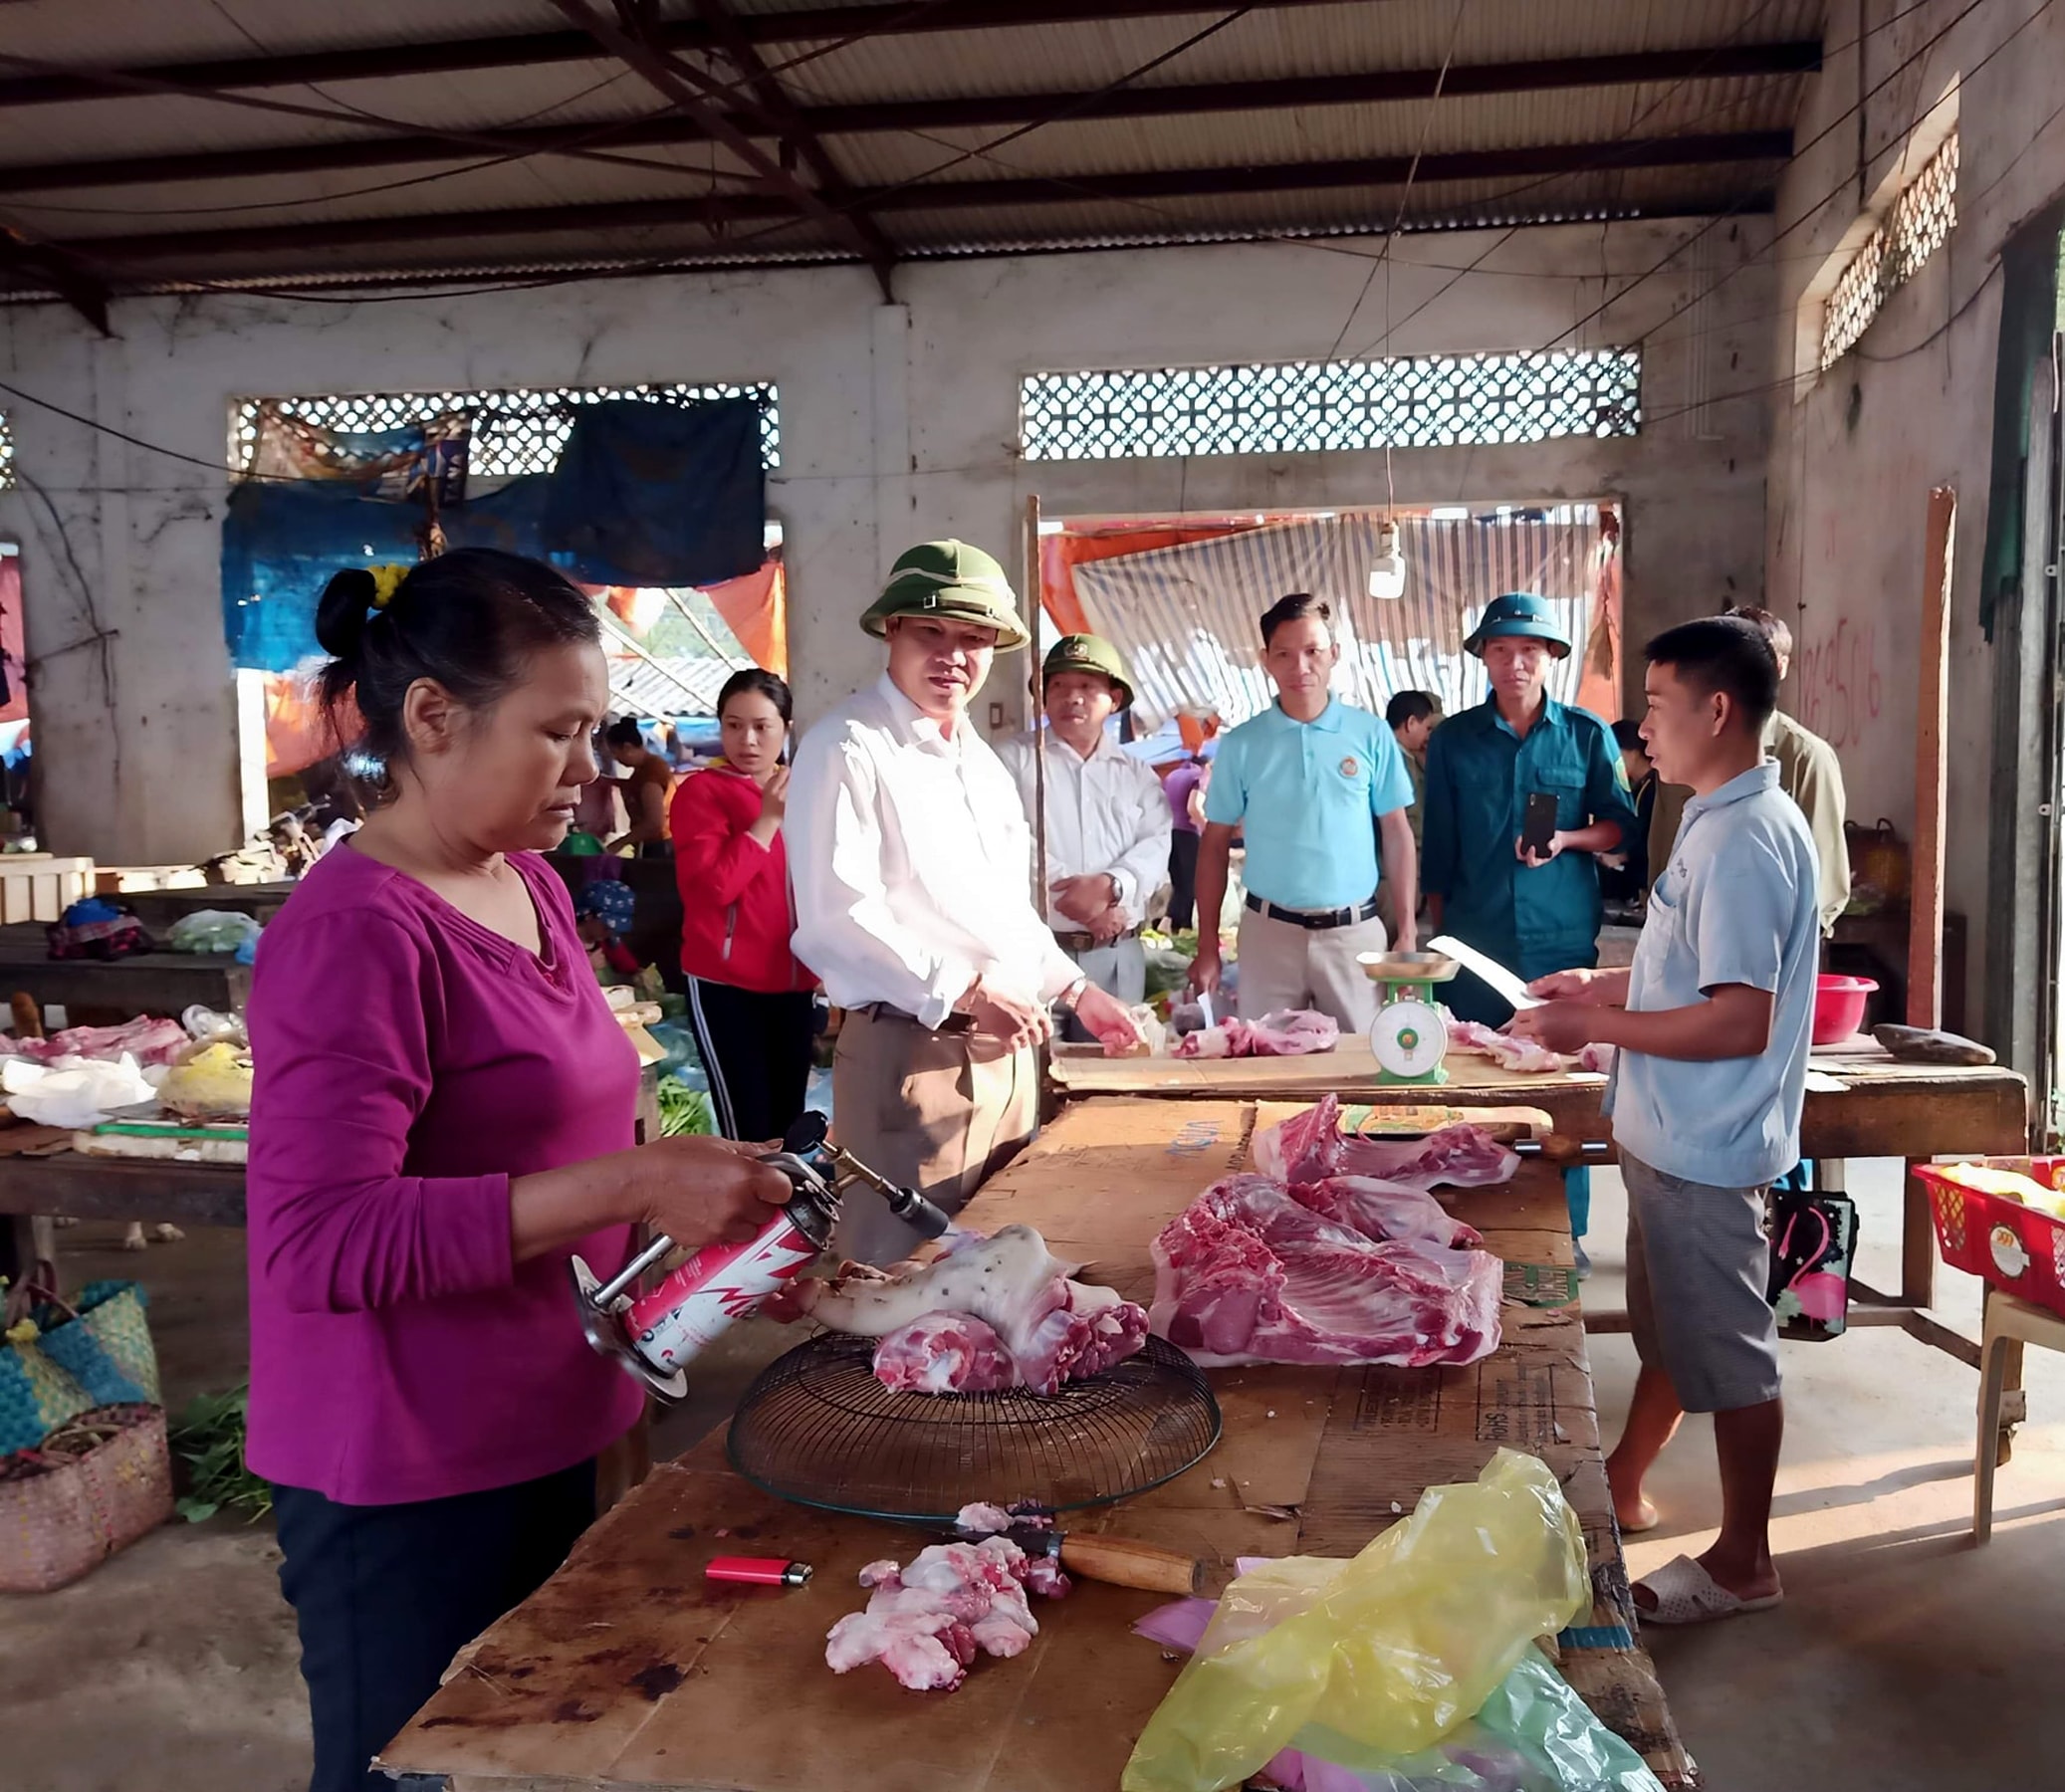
column 1855, row 452
column 898, row 423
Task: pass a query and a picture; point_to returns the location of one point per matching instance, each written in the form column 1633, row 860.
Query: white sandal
column 1686, row 1594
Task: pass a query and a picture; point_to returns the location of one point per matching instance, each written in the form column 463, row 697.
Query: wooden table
column 160, row 909
column 1885, row 1109
column 39, row 1179
column 106, row 993
column 629, row 1670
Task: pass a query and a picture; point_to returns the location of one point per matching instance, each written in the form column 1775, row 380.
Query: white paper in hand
column 1501, row 981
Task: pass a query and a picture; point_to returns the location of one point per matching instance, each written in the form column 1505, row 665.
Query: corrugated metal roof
column 1596, row 115
column 1262, row 46
column 430, row 205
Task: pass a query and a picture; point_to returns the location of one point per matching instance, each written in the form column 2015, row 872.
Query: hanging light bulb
column 1387, row 570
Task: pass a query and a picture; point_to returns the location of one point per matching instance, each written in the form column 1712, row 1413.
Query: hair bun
column 343, row 610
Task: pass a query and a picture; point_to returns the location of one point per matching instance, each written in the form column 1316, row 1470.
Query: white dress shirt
column 911, row 863
column 1105, row 815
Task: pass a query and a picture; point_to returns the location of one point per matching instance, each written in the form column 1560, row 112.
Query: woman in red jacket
column 749, row 1000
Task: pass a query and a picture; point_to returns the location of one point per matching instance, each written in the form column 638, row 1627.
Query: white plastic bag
column 74, row 1092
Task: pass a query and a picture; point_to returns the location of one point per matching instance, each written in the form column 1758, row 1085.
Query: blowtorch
column 652, row 1336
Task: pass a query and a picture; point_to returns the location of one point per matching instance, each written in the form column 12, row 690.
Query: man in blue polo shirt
column 1302, row 779
column 1712, row 1022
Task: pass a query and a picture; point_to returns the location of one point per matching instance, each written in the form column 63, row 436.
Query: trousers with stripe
column 756, row 1049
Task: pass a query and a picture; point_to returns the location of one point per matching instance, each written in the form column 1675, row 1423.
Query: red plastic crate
column 2001, row 1242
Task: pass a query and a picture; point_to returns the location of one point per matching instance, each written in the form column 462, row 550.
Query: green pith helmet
column 949, row 581
column 1518, row 614
column 1090, row 653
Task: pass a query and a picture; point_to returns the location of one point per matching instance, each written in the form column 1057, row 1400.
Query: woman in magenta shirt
column 444, row 1112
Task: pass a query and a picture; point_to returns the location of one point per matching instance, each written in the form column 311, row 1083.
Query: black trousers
column 385, row 1596
column 757, row 1050
column 1183, row 879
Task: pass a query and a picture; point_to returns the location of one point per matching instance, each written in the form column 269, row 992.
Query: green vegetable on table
column 209, row 1440
column 684, row 1111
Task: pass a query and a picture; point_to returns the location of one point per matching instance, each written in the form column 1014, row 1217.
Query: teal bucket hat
column 1522, row 614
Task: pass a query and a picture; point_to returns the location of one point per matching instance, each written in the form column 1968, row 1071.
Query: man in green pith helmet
column 911, row 864
column 1107, row 822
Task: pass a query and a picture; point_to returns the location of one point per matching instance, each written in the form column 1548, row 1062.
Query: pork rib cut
column 1248, row 1273
column 1502, row 1049
column 949, row 1320
column 1310, row 1148
column 1288, row 1033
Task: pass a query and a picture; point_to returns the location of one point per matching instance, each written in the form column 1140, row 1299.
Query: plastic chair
column 2009, row 1320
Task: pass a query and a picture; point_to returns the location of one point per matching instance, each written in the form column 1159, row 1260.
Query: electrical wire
column 1855, row 110
column 1378, row 259
column 344, row 112
column 983, row 152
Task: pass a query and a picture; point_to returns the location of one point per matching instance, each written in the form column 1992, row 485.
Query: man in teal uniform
column 1534, row 913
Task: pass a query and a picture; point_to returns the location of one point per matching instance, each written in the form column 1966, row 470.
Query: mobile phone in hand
column 1539, row 824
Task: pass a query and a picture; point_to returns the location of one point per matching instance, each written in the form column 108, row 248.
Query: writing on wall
column 1840, row 687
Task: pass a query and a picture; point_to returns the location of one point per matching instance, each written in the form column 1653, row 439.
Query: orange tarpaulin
column 1599, row 686
column 297, row 732
column 1060, row 554
column 756, row 609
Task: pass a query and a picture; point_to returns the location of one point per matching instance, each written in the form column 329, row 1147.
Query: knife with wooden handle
column 1117, row 1561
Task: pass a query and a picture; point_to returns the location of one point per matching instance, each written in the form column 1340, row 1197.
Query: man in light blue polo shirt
column 1713, row 1021
column 1302, row 779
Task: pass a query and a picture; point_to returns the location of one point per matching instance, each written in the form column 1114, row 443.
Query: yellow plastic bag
column 1391, row 1650
column 213, row 1084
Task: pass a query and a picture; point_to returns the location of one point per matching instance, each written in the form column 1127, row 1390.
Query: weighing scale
column 1409, row 1036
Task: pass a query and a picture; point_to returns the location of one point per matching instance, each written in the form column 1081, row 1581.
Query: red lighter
column 758, row 1571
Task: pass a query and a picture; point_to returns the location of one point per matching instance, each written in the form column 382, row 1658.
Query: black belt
column 882, row 1010
column 1314, row 919
column 1088, row 942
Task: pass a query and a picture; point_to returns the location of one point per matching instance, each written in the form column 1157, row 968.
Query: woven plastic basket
column 94, row 1485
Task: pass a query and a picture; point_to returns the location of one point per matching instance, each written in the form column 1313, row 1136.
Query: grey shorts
column 1698, row 1266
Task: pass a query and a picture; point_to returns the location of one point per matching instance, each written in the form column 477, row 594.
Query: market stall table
column 41, row 1177
column 158, row 910
column 97, row 992
column 1861, row 1103
column 629, row 1670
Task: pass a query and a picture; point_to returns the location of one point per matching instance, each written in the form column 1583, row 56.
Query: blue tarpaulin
column 657, row 494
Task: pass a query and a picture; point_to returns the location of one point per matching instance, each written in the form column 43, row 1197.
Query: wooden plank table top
column 627, row 1669
column 160, row 909
column 1886, row 1109
column 99, row 992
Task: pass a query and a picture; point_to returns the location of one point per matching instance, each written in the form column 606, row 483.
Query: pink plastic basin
column 1839, row 1007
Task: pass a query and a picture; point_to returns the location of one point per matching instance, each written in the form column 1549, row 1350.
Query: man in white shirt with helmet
column 911, row 866
column 1107, row 822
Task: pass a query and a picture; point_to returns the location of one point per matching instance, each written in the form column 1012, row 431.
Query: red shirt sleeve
column 714, row 858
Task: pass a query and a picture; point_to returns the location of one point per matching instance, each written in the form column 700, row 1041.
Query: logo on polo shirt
column 1350, row 766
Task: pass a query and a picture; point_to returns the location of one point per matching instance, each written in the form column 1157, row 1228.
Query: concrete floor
column 1903, row 1660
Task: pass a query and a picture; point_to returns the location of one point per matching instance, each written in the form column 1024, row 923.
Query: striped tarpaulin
column 1185, row 616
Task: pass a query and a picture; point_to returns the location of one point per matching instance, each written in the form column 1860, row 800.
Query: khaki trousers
column 939, row 1112
column 1285, row 965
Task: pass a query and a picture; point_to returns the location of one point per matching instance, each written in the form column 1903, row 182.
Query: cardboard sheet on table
column 1108, row 1175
